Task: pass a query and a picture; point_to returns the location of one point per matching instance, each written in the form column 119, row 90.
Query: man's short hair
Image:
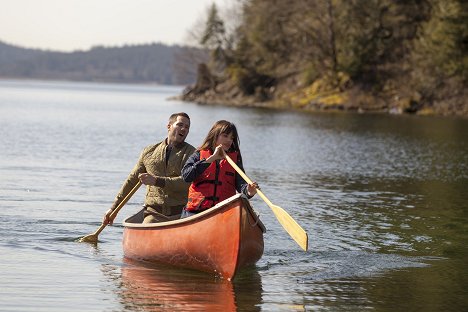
column 175, row 115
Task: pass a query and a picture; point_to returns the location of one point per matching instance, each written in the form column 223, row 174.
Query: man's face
column 178, row 130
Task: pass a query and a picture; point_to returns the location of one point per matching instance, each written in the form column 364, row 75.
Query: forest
column 152, row 63
column 389, row 56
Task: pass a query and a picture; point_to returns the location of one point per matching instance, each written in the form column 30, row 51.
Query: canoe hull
column 221, row 240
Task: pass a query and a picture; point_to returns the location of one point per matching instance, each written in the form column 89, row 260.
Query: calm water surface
column 383, row 199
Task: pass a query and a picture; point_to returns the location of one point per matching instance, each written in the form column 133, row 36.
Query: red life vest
column 215, row 184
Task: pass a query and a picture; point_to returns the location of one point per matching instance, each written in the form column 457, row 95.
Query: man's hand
column 107, row 217
column 148, row 179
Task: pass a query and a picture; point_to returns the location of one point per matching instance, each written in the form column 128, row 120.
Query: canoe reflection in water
column 151, row 287
column 221, row 240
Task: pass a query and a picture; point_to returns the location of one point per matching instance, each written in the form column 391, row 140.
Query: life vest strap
column 209, row 181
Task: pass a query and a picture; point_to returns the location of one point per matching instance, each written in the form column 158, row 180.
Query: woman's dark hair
column 221, row 126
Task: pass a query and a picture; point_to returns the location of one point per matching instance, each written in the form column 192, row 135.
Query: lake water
column 383, row 198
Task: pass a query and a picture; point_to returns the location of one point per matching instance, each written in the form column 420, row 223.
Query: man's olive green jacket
column 153, row 161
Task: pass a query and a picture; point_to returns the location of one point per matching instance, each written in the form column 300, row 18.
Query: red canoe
column 220, row 240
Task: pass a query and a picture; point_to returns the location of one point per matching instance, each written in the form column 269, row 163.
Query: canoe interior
column 135, row 221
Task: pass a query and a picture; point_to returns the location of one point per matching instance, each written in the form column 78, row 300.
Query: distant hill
column 152, row 63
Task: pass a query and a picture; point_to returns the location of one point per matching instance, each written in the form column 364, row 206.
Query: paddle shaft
column 288, row 223
column 117, row 209
column 246, row 178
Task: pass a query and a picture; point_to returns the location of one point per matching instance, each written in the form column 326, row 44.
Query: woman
column 213, row 178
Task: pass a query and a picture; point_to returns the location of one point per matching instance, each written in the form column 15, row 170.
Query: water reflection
column 148, row 287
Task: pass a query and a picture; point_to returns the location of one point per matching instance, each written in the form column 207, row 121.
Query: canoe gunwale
column 202, row 215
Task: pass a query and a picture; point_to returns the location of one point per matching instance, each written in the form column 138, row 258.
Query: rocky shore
column 320, row 96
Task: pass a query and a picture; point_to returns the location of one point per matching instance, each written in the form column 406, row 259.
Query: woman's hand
column 218, row 154
column 252, row 189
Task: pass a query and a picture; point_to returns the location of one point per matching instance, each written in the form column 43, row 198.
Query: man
column 159, row 168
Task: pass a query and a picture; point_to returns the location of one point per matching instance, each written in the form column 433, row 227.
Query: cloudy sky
column 67, row 25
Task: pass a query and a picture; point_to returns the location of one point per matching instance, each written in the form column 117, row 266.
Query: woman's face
column 226, row 140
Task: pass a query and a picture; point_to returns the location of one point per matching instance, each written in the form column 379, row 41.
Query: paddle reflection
column 150, row 287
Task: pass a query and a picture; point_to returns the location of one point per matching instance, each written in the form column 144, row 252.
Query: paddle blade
column 288, row 223
column 91, row 238
column 291, row 226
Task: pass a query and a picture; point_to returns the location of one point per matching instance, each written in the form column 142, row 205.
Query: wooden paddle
column 288, row 223
column 93, row 238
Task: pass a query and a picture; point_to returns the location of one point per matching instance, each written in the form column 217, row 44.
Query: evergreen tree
column 214, row 38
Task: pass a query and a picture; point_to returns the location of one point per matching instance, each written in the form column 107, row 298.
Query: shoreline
column 351, row 101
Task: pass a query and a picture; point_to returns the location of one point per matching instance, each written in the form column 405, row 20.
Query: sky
column 69, row 25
